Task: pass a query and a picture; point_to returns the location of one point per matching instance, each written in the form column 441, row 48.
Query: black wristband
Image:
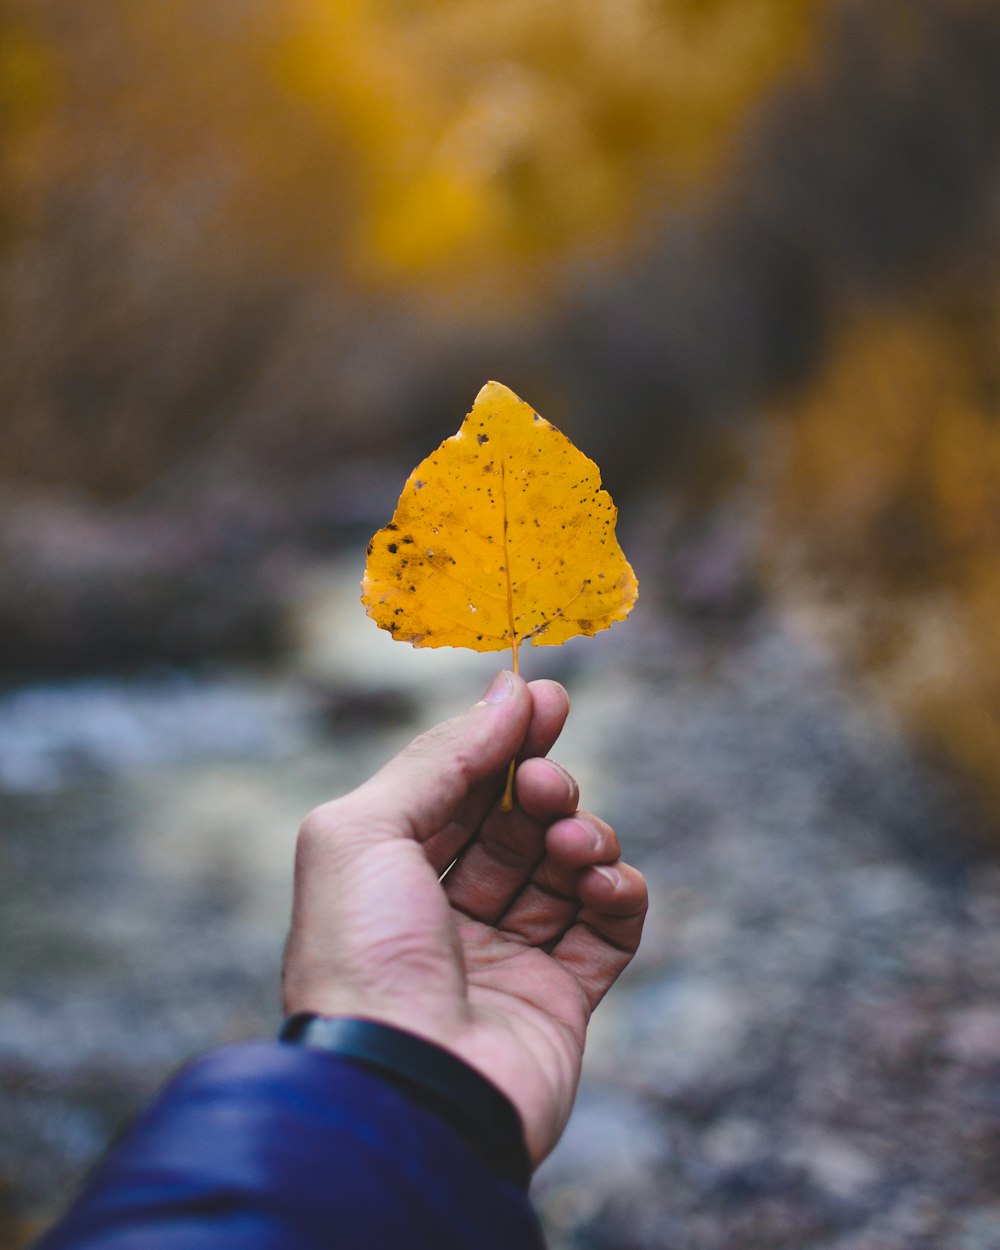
column 471, row 1104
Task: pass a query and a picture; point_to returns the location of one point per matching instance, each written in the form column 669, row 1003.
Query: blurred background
column 256, row 259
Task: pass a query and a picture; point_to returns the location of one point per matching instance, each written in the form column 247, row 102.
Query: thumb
column 418, row 792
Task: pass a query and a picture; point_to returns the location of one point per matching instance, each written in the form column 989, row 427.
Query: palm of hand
column 527, row 1028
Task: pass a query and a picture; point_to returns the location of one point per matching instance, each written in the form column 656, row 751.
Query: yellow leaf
column 501, row 535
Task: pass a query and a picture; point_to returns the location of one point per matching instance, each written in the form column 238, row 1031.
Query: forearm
column 269, row 1145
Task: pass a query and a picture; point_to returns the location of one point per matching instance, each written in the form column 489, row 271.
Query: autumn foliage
column 885, row 514
column 485, row 135
column 203, row 205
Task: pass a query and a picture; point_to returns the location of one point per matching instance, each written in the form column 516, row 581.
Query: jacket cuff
column 434, row 1077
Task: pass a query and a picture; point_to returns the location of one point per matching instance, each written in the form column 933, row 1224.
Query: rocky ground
column 807, row 1050
column 806, row 1053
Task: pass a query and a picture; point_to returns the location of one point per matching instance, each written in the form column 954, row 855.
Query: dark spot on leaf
column 392, row 526
column 419, row 485
column 408, row 538
column 482, row 438
column 393, row 548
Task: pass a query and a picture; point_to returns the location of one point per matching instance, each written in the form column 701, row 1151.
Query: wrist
column 431, row 1075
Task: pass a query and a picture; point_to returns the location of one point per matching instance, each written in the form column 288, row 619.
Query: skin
column 502, row 962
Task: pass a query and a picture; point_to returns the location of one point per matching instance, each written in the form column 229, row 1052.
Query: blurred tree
column 885, row 519
column 192, row 191
column 885, row 522
column 488, row 134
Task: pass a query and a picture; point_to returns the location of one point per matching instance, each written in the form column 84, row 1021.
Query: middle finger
column 493, row 868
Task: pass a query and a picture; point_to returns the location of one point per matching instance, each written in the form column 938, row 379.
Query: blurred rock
column 350, row 709
column 51, row 735
column 972, row 1035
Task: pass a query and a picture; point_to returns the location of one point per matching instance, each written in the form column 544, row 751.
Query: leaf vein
column 578, row 529
column 473, row 590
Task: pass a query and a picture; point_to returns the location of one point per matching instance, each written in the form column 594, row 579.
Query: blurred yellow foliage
column 487, row 134
column 27, row 74
column 179, row 181
column 445, row 140
column 29, row 90
column 885, row 526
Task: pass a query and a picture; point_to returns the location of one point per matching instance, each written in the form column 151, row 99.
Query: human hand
column 503, row 962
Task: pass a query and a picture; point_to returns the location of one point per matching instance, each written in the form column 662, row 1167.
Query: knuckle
column 337, row 831
column 320, row 829
column 315, row 826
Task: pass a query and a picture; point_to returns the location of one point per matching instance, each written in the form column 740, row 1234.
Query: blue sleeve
column 265, row 1146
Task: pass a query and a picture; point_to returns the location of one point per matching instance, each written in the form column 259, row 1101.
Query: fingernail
column 500, row 688
column 567, row 777
column 610, row 874
column 593, row 835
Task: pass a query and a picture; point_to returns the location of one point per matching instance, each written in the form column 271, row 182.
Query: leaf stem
column 507, row 802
